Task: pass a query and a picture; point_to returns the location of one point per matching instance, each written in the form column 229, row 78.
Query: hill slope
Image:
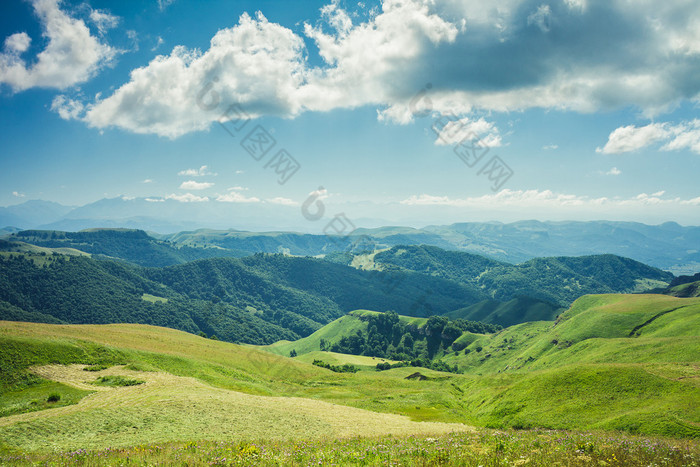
column 560, row 280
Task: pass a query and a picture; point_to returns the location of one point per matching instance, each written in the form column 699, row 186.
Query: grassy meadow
column 125, row 393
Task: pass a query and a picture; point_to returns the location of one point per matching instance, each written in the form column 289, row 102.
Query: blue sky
column 591, row 107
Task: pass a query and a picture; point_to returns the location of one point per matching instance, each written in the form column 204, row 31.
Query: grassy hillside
column 517, row 310
column 596, row 329
column 690, row 289
column 597, row 375
column 625, row 362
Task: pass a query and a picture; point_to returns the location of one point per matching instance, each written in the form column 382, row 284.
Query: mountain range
column 245, row 229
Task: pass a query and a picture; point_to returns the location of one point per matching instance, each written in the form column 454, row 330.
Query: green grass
column 35, row 397
column 332, row 332
column 486, row 448
column 554, row 375
column 153, row 299
column 360, row 361
column 117, row 381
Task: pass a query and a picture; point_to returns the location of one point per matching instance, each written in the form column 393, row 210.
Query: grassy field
column 606, row 364
column 484, row 448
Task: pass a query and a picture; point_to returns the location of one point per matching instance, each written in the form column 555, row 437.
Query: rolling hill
column 619, row 363
column 635, row 355
column 558, row 280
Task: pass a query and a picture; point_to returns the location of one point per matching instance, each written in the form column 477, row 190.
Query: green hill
column 135, row 246
column 596, row 329
column 611, row 362
column 559, row 280
column 517, row 310
column 260, row 299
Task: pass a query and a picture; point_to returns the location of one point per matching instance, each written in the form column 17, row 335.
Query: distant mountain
column 668, row 246
column 32, row 213
column 134, row 246
column 247, row 227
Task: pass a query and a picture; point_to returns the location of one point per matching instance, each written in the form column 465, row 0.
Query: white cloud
column 155, row 200
column 256, row 64
column 613, row 171
column 103, row 21
column 159, row 42
column 631, row 138
column 529, row 199
column 685, row 135
column 477, row 57
column 187, row 198
column 238, row 188
column 550, row 147
column 540, row 17
column 148, row 180
column 235, row 197
column 66, row 108
column 71, row 56
column 283, row 201
column 239, row 172
column 200, row 172
column 18, row 194
column 17, row 43
column 134, row 38
column 455, row 131
column 194, row 185
column 163, row 4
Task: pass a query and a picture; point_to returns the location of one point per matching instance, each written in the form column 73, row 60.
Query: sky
column 414, row 112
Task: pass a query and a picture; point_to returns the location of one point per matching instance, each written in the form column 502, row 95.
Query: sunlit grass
column 484, row 448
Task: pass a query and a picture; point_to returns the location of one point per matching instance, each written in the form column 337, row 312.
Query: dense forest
column 559, row 280
column 135, row 246
column 263, row 298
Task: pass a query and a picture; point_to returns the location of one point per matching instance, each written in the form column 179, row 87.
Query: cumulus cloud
column 631, row 138
column 235, row 197
column 163, row 4
column 71, row 56
column 454, row 131
column 194, row 185
column 200, row 172
column 684, row 135
column 550, row 147
column 67, row 108
column 103, row 21
column 580, row 55
column 187, row 198
column 17, row 194
column 148, row 180
column 613, row 171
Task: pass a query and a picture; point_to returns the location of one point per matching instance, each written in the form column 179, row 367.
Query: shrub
column 54, row 397
column 117, row 381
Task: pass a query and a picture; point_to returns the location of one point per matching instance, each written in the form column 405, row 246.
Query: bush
column 117, row 381
column 54, row 397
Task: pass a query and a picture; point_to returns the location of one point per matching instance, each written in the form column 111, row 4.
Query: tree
column 293, row 353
